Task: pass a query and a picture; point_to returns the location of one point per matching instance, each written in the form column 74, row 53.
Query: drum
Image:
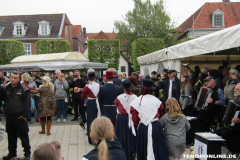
column 203, row 95
column 233, row 110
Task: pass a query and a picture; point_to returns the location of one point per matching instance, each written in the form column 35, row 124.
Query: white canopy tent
column 50, row 62
column 212, row 48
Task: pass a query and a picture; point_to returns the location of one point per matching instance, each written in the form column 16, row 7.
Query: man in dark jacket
column 1, row 82
column 230, row 135
column 116, row 80
column 156, row 83
column 215, row 102
column 78, row 103
column 17, row 106
column 107, row 94
column 170, row 86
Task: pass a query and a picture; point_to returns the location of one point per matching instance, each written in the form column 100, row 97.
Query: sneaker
column 37, row 120
column 79, row 117
column 58, row 120
column 30, row 122
column 64, row 120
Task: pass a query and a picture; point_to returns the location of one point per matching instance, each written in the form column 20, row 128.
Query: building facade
column 31, row 28
column 211, row 17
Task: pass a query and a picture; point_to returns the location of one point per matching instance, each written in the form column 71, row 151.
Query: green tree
column 52, row 46
column 143, row 46
column 146, row 20
column 10, row 49
column 186, row 39
column 104, row 51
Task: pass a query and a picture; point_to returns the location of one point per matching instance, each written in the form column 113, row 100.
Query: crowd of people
column 143, row 116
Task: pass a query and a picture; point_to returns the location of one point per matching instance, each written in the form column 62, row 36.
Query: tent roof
column 65, row 56
column 212, row 43
column 51, row 66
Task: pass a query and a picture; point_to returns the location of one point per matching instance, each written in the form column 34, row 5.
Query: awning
column 52, row 66
column 213, row 44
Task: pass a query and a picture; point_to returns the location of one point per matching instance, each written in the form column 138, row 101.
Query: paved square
column 72, row 137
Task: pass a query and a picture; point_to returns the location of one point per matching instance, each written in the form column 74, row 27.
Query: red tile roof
column 101, row 35
column 76, row 30
column 203, row 16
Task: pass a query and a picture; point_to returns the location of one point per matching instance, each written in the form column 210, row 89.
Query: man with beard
column 230, row 135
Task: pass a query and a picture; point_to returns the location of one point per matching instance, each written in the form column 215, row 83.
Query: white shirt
column 109, row 82
column 170, row 88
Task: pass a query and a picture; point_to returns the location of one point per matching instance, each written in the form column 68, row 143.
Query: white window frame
column 16, row 26
column 218, row 12
column 27, row 50
column 44, row 28
column 1, row 29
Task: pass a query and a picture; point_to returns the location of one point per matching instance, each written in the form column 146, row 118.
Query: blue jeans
column 36, row 99
column 61, row 107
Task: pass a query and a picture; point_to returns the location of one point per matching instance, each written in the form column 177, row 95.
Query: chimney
column 113, row 30
column 226, row 1
column 84, row 32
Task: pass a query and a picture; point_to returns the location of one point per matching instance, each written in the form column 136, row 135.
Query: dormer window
column 1, row 29
column 20, row 28
column 44, row 28
column 218, row 18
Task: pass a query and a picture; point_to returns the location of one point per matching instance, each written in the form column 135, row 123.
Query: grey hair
column 58, row 70
column 114, row 70
column 234, row 72
column 90, row 70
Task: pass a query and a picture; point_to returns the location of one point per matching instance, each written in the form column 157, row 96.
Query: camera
column 75, row 76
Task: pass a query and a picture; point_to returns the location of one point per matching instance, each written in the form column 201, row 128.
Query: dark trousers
column 14, row 126
column 188, row 111
column 203, row 121
column 229, row 136
column 79, row 106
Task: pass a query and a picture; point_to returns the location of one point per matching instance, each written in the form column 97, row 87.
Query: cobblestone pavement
column 71, row 136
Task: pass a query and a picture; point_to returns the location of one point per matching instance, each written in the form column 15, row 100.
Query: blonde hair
column 61, row 74
column 58, row 148
column 102, row 130
column 172, row 108
column 27, row 76
column 47, row 83
column 44, row 151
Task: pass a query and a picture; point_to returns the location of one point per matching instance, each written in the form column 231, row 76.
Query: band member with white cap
column 90, row 91
column 146, row 111
column 124, row 129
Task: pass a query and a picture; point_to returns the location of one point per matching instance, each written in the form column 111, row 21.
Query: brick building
column 211, row 17
column 31, row 28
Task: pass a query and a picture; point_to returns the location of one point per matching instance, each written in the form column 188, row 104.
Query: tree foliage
column 104, row 51
column 145, row 46
column 52, row 46
column 10, row 49
column 146, row 20
column 186, row 39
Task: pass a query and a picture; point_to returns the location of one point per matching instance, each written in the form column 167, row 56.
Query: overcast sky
column 97, row 15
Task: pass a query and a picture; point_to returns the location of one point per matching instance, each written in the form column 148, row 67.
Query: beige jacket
column 229, row 89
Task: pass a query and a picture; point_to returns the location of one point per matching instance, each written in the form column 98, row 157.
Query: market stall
column 206, row 51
